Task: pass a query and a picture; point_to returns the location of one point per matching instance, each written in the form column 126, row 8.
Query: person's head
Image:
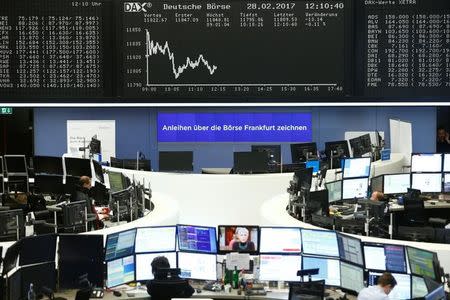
column 242, row 234
column 387, row 282
column 159, row 262
column 85, row 182
column 377, row 196
column 441, row 134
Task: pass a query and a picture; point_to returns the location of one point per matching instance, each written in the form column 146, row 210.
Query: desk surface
column 429, row 204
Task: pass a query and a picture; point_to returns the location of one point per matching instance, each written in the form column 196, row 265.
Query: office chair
column 311, row 290
column 166, row 289
column 415, row 214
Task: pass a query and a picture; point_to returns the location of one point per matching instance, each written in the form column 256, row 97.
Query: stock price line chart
column 226, row 49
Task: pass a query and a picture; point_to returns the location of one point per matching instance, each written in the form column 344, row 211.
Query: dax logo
column 136, row 6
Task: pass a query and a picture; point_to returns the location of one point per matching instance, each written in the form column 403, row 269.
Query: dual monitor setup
column 278, row 253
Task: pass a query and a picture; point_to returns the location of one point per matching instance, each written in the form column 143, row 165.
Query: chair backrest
column 83, row 294
column 167, row 289
column 414, row 207
column 313, row 290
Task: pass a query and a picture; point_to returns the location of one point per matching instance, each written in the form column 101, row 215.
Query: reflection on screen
column 395, row 258
column 426, row 162
column 427, row 183
column 421, row 262
column 280, row 240
column 375, row 259
column 446, row 183
column 447, row 162
column 350, row 249
column 419, row 288
column 196, row 238
column 328, row 269
column 143, row 264
column 352, row 277
column 120, row 271
column 354, row 188
column 155, row 239
column 397, row 183
column 279, row 267
column 197, row 265
column 120, row 244
column 401, row 291
column 320, row 242
column 356, row 167
column 334, row 191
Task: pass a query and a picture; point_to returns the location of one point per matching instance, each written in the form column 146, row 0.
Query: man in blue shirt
column 386, row 284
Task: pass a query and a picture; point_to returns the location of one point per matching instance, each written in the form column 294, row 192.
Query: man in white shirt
column 386, row 284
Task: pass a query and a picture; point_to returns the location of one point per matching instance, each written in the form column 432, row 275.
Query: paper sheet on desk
column 239, row 260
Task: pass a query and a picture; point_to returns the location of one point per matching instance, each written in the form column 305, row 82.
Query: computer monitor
column 334, row 189
column 303, row 152
column 320, row 242
column 144, row 260
column 134, row 164
column 304, row 178
column 356, row 167
column 280, row 240
column 176, row 161
column 197, row 265
column 395, row 258
column 74, row 213
column 361, row 145
column 40, row 275
column 418, row 287
column 116, row 181
column 120, row 271
column 120, row 244
column 49, row 184
column 436, row 294
column 116, row 162
column 95, row 146
column 273, row 152
column 396, row 183
column 48, row 165
column 80, row 254
column 352, row 277
column 197, row 238
column 314, row 164
column 355, row 188
column 37, row 249
column 426, row 162
column 77, row 166
column 350, row 249
column 238, row 238
column 317, row 203
column 11, row 223
column 427, row 182
column 279, row 267
column 376, row 260
column 446, row 167
column 250, row 162
column 156, row 239
column 98, row 171
column 446, row 188
column 15, row 165
column 376, row 183
column 422, row 262
column 401, row 291
column 339, row 150
column 329, row 269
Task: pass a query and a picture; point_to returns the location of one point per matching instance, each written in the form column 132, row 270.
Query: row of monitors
column 272, row 240
column 272, row 267
column 430, row 162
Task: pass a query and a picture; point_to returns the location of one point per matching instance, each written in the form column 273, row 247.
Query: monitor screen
column 436, row 294
column 143, row 264
column 376, row 259
column 350, row 249
column 280, row 240
column 78, row 166
column 356, row 167
column 376, row 184
column 361, row 145
column 352, row 277
column 279, row 267
column 273, row 152
column 197, row 239
column 8, row 224
column 397, row 183
column 334, row 191
column 446, row 167
column 120, row 271
column 447, row 183
column 98, row 170
column 38, row 249
column 48, row 165
column 418, row 287
column 426, row 162
column 238, row 238
column 181, row 161
column 421, row 262
column 401, row 291
column 337, row 150
column 395, row 258
column 156, row 239
column 314, row 164
column 120, row 244
column 355, row 188
column 427, row 182
column 250, row 162
column 116, row 181
column 328, row 269
column 303, row 152
column 197, row 265
column 15, row 164
column 320, row 242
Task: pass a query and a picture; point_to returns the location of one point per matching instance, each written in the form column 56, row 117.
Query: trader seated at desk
column 386, row 284
column 164, row 287
column 82, row 194
column 377, row 196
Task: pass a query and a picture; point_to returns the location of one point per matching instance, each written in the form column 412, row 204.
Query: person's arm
column 189, row 290
column 149, row 288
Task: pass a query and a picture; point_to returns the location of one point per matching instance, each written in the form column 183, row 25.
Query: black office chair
column 166, row 289
column 311, row 290
column 414, row 211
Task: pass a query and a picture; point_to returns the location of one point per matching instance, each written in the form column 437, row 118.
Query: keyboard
column 258, row 292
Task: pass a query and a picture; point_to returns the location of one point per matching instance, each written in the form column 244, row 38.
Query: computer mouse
column 117, row 293
column 198, row 291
